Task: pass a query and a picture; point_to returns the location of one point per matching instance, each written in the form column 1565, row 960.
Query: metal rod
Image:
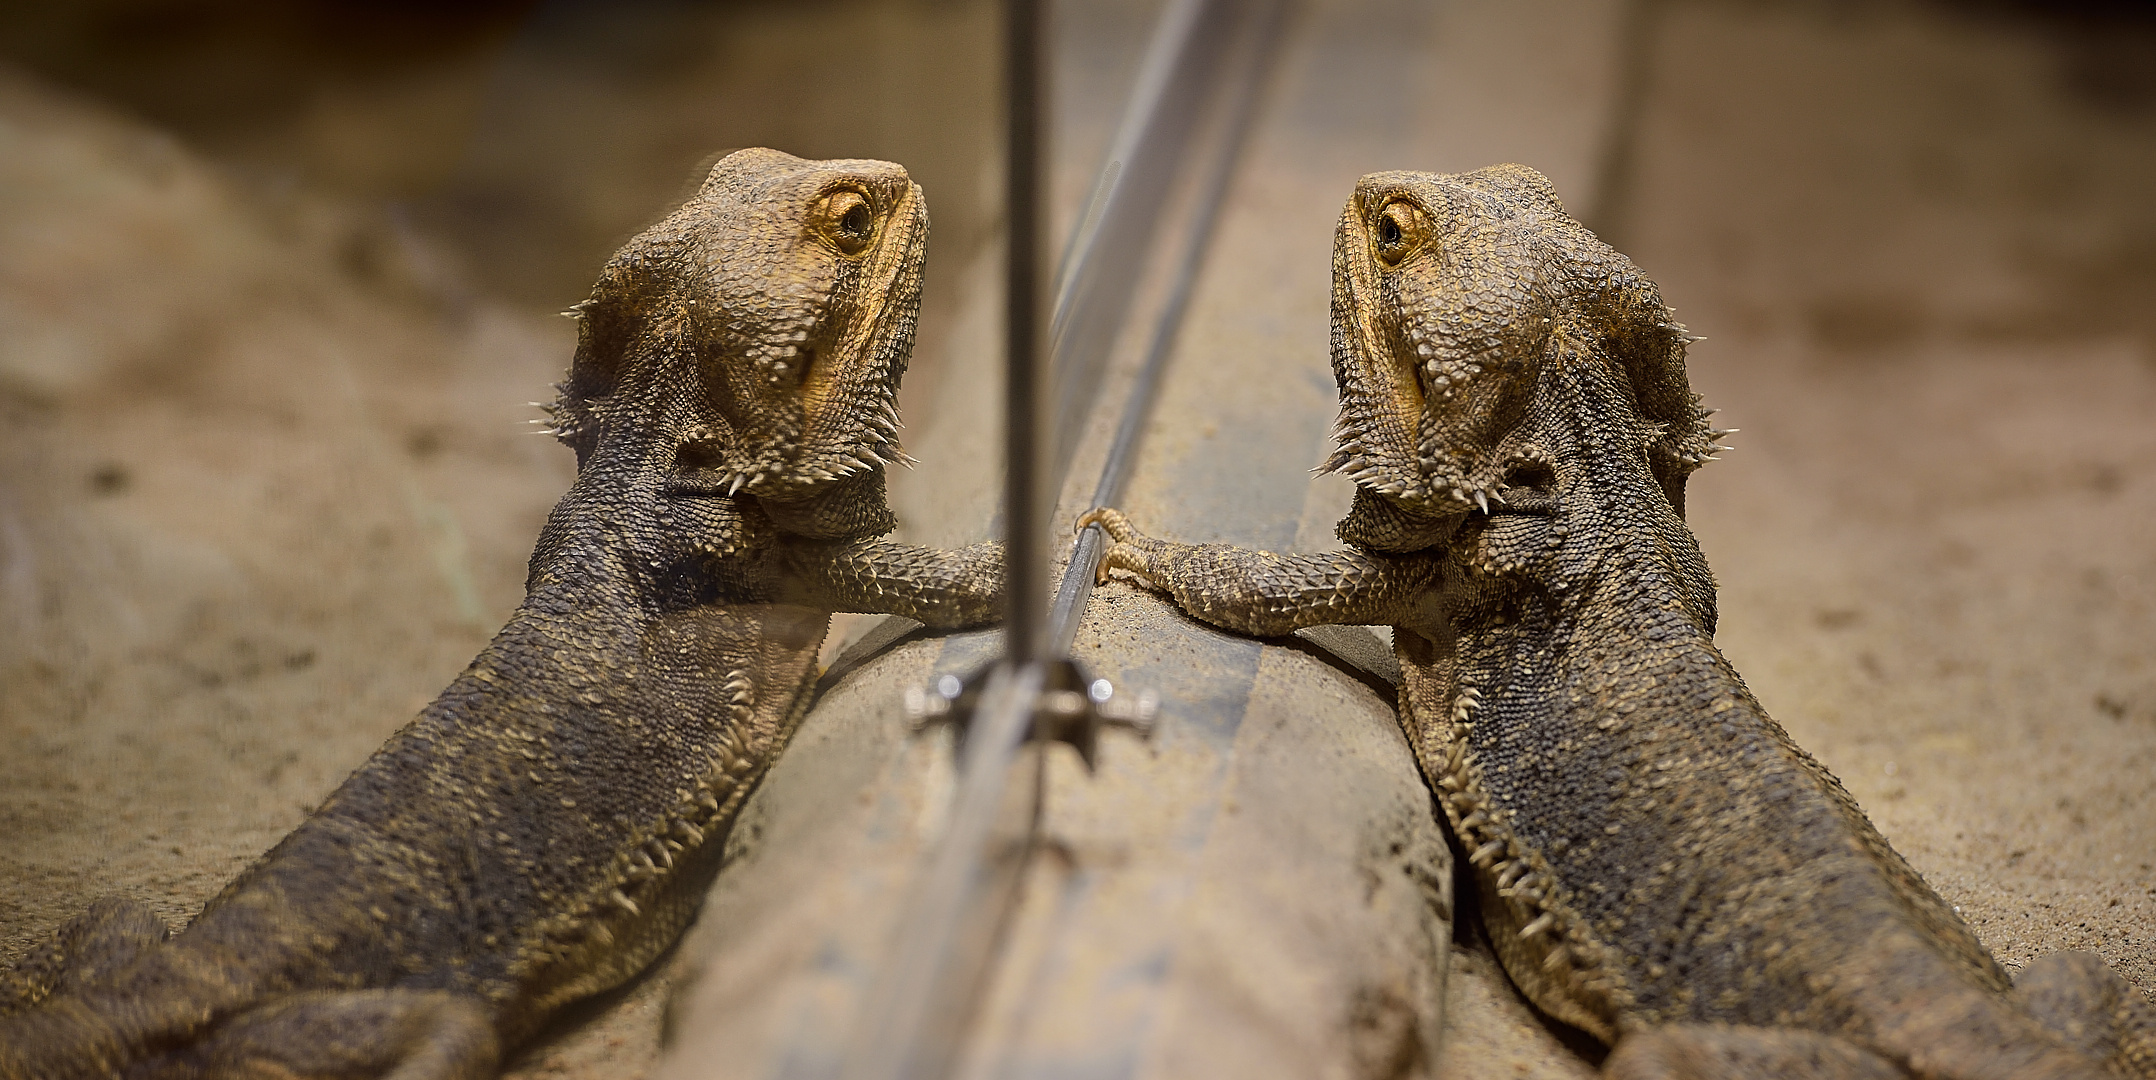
column 916, row 1016
column 1024, row 525
column 1076, row 587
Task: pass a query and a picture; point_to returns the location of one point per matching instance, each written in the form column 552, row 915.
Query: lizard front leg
column 2089, row 1006
column 83, row 951
column 942, row 588
column 1264, row 594
column 340, row 1034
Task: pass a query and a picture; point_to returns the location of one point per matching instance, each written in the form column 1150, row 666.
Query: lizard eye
column 1398, row 231
column 847, row 221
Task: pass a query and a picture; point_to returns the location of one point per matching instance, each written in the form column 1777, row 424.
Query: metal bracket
column 1071, row 707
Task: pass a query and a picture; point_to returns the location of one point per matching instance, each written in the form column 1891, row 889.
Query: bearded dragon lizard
column 547, row 826
column 1657, row 862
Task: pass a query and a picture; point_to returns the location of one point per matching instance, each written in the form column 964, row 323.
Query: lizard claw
column 1111, row 521
column 1123, row 552
column 1120, row 556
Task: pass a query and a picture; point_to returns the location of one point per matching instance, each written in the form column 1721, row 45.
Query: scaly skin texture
column 547, row 826
column 1658, row 864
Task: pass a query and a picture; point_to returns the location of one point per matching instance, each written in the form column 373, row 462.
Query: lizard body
column 547, row 826
column 1657, row 862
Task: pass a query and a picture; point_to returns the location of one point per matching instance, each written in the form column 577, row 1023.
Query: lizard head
column 1451, row 295
column 752, row 341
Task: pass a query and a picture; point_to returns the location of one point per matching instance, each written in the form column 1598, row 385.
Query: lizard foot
column 1127, row 549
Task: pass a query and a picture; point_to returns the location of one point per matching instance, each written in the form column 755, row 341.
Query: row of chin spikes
column 850, row 466
column 554, row 422
column 885, row 454
column 1350, row 449
column 1714, row 434
column 1377, row 481
column 1479, row 497
column 576, row 310
column 1348, row 430
column 735, row 482
column 884, row 421
column 1714, row 447
column 1365, row 473
column 1354, row 461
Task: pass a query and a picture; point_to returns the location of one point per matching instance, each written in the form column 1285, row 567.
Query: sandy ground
column 263, row 487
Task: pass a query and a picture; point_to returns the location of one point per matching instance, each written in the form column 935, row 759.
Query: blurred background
column 276, row 280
